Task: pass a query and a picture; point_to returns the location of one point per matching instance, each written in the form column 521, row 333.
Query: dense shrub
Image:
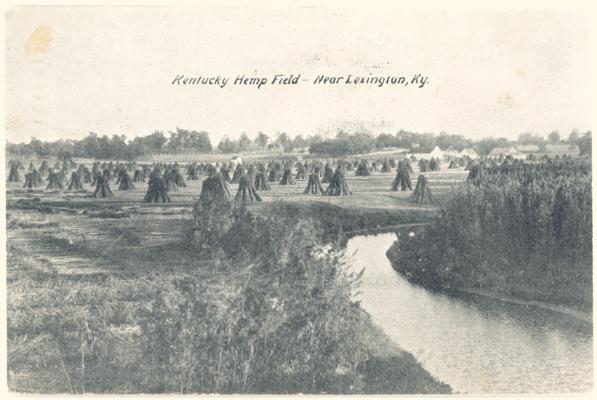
column 265, row 308
column 519, row 225
column 283, row 322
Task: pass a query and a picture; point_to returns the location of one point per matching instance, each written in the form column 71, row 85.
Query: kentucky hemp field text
column 415, row 80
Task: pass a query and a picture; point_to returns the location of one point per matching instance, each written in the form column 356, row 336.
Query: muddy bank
column 581, row 315
column 391, row 370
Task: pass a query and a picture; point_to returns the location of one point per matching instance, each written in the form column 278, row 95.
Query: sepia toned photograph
column 278, row 199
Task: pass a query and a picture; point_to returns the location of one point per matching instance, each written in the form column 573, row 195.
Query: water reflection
column 475, row 344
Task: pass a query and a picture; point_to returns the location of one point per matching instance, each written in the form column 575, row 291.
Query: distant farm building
column 451, row 152
column 560, row 150
column 528, row 148
column 276, row 147
column 301, row 150
column 549, row 150
column 506, row 152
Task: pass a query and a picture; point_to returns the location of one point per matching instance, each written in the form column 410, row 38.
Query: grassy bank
column 135, row 304
column 523, row 232
column 366, row 210
column 334, row 217
column 564, row 284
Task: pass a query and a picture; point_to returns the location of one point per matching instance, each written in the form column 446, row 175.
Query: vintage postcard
column 279, row 199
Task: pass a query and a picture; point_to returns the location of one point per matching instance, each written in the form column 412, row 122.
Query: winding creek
column 477, row 345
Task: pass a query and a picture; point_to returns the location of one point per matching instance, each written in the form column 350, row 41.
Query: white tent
column 437, row 152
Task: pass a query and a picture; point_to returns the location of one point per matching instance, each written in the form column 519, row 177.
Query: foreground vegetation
column 264, row 306
column 517, row 229
column 113, row 295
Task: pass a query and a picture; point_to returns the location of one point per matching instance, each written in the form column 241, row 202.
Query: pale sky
column 109, row 70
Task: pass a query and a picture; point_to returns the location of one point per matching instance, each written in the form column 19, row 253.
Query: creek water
column 475, row 344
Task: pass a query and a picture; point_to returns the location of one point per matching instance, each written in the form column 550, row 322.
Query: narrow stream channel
column 476, row 345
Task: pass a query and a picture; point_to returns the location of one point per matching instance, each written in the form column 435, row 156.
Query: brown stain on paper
column 521, row 73
column 39, row 41
column 506, row 100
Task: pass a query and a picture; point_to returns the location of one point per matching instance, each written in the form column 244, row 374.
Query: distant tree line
column 282, row 142
column 117, row 146
column 179, row 141
column 583, row 141
column 354, row 143
column 190, row 141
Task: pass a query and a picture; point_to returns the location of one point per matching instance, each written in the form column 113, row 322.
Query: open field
column 371, row 197
column 123, row 227
column 139, row 228
column 261, row 155
column 368, row 192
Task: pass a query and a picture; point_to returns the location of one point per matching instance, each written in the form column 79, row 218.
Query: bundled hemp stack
column 422, row 193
